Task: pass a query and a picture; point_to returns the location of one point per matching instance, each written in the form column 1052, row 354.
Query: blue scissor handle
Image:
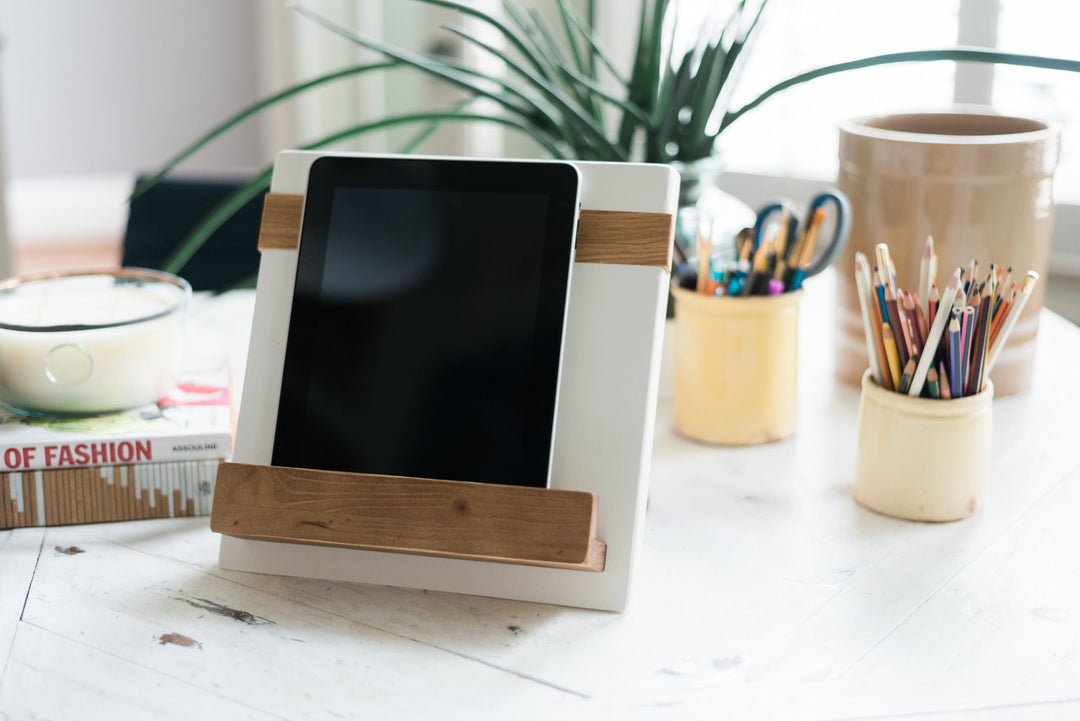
column 765, row 212
column 841, row 228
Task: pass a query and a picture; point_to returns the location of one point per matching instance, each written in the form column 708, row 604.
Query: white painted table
column 763, row 591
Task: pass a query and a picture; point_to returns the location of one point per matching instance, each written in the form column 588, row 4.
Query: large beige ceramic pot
column 980, row 184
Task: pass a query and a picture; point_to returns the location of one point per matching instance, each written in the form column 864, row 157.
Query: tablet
column 428, row 318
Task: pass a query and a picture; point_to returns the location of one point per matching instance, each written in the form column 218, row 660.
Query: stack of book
column 158, row 461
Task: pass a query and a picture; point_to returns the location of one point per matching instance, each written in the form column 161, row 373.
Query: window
column 792, row 138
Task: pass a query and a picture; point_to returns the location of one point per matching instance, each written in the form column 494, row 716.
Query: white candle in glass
column 89, row 344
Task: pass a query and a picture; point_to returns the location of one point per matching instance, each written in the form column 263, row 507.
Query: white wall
column 117, row 86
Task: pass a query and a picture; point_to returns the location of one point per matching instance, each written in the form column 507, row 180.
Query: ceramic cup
column 735, row 367
column 922, row 459
column 980, row 184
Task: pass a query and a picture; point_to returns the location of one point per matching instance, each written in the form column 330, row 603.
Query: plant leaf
column 597, row 51
column 456, row 75
column 571, row 111
column 675, row 96
column 961, row 54
column 716, row 64
column 543, row 47
column 637, row 91
column 213, row 220
column 736, row 60
column 656, row 52
column 228, row 207
column 250, row 111
column 432, row 126
column 583, row 62
column 561, row 66
column 599, row 92
column 508, row 32
column 540, row 59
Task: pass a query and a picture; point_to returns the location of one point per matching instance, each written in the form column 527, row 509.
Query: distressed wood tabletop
column 763, row 591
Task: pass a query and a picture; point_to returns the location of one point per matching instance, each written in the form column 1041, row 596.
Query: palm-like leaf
column 240, row 197
column 673, row 106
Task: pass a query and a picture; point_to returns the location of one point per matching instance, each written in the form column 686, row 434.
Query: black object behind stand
column 161, row 218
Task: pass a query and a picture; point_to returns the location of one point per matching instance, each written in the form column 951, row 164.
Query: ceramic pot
column 980, row 184
column 736, row 367
column 922, row 459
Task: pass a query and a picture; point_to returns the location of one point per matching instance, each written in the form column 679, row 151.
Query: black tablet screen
column 427, row 319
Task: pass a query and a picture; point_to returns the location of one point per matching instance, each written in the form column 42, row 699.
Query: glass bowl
column 90, row 342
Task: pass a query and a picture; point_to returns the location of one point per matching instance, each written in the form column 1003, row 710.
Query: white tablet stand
column 573, row 544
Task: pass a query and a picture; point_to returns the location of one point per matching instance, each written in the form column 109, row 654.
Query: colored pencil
column 1010, row 322
column 967, row 329
column 866, row 302
column 920, row 321
column 879, row 346
column 933, row 301
column 1002, row 313
column 704, row 261
column 955, row 369
column 1005, row 285
column 905, row 378
column 923, row 289
column 932, row 383
column 896, row 323
column 885, row 263
column 978, row 347
column 917, row 333
column 891, row 354
column 879, row 291
column 943, row 381
column 952, row 288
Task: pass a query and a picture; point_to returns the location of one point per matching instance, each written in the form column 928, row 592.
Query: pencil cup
column 736, row 367
column 922, row 459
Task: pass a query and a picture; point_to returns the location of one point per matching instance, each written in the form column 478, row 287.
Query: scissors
column 796, row 248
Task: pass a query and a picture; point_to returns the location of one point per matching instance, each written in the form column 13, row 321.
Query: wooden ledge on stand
column 450, row 519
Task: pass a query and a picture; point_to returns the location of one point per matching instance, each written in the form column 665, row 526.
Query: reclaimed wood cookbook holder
column 497, row 540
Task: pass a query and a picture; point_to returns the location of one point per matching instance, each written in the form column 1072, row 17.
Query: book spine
column 98, row 494
column 118, row 451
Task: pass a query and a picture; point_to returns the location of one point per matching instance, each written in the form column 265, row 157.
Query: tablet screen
column 427, row 318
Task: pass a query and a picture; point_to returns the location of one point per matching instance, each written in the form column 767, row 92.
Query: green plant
column 673, row 106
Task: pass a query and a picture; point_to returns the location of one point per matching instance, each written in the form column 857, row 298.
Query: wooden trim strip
column 625, row 238
column 604, row 236
column 280, row 228
column 450, row 519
